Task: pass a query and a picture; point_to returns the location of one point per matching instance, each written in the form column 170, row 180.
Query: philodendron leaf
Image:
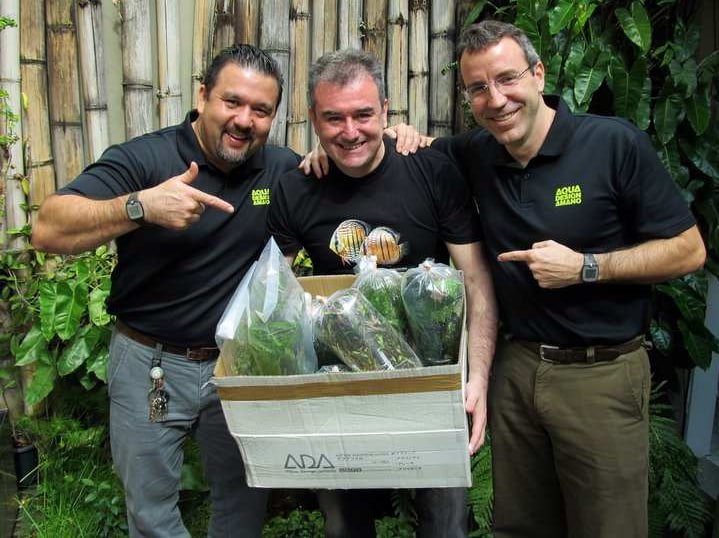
column 41, row 385
column 560, row 16
column 71, row 304
column 699, row 109
column 636, row 25
column 684, row 75
column 33, row 348
column 702, row 152
column 668, row 113
column 699, row 343
column 642, row 114
column 97, row 364
column 589, row 78
column 690, row 306
column 96, row 307
column 79, row 350
column 47, row 299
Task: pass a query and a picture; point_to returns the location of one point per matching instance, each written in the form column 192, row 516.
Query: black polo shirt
column 174, row 284
column 596, row 185
column 421, row 197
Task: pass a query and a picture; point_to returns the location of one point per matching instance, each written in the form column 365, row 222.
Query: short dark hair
column 483, row 34
column 247, row 56
column 342, row 67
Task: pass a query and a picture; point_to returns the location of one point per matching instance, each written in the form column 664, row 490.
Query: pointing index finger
column 515, row 256
column 213, row 201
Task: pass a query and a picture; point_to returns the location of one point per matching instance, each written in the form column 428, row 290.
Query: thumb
column 190, row 174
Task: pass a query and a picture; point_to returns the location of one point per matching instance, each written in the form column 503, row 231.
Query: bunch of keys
column 157, row 397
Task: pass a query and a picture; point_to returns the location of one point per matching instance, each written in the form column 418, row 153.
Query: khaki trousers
column 569, row 446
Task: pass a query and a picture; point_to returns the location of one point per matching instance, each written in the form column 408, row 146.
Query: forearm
column 69, row 224
column 654, row 261
column 482, row 325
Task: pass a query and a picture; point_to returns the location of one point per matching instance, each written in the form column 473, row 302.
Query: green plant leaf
column 71, row 304
column 709, row 65
column 636, row 25
column 474, row 12
column 48, row 307
column 97, row 364
column 699, row 343
column 589, row 78
column 668, row 113
column 689, row 304
column 684, row 75
column 661, row 336
column 699, row 109
column 33, row 348
column 560, row 16
column 96, row 307
column 43, row 381
column 78, row 350
column 702, row 152
column 643, row 111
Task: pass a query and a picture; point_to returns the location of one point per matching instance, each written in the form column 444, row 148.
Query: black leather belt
column 570, row 355
column 191, row 353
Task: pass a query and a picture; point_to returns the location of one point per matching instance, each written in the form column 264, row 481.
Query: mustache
column 240, row 132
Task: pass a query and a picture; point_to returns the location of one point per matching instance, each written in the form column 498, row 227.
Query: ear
column 201, row 98
column 313, row 118
column 539, row 75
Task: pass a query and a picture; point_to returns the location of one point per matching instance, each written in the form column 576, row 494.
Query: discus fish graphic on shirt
column 347, row 239
column 354, row 238
column 383, row 243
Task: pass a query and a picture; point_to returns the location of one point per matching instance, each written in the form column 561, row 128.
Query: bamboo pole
column 137, row 67
column 324, row 27
column 12, row 165
column 201, row 41
column 65, row 110
column 224, row 25
column 461, row 11
column 297, row 125
column 247, row 21
column 349, row 21
column 39, row 167
column 168, row 54
column 442, row 86
column 274, row 39
column 375, row 29
column 92, row 69
column 418, row 64
column 397, row 58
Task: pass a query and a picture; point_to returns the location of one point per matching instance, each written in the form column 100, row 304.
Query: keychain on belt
column 157, row 397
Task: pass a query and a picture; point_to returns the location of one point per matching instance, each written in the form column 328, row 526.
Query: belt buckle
column 542, row 357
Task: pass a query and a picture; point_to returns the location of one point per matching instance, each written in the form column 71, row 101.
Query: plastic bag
column 273, row 335
column 383, row 289
column 433, row 297
column 349, row 325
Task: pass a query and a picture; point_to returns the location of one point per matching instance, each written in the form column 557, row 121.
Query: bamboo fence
column 71, row 94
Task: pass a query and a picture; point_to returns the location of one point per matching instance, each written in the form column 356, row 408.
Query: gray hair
column 344, row 66
column 481, row 35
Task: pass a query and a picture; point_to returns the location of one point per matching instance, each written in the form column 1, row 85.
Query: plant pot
column 26, row 462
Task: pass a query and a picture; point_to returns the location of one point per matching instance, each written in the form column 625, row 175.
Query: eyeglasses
column 502, row 84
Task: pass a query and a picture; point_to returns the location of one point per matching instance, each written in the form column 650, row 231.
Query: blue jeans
column 148, row 455
column 441, row 512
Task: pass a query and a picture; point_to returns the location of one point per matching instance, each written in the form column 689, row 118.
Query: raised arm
column 68, row 224
column 554, row 265
column 482, row 321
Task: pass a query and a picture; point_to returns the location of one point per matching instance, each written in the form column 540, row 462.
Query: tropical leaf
column 474, row 12
column 661, row 336
column 702, row 152
column 33, row 348
column 636, row 25
column 71, row 303
column 561, row 15
column 684, row 75
column 699, row 343
column 43, row 380
column 699, row 109
column 590, row 78
column 79, row 350
column 689, row 303
column 668, row 113
column 97, row 364
column 47, row 291
column 96, row 306
column 643, row 112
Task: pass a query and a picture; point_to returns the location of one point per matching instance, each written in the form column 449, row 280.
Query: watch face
column 134, row 211
column 590, row 274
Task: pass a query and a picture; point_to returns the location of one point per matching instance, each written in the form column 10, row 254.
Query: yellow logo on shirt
column 260, row 196
column 568, row 195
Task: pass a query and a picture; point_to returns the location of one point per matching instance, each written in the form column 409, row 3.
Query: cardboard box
column 389, row 429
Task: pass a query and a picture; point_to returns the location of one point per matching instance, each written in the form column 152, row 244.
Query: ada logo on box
column 307, row 461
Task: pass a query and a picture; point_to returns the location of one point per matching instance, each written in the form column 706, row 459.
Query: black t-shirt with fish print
column 403, row 212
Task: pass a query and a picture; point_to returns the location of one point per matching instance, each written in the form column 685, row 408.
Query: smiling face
column 516, row 116
column 349, row 120
column 236, row 115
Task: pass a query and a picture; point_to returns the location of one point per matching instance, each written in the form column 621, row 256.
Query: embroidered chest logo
column 260, row 196
column 568, row 195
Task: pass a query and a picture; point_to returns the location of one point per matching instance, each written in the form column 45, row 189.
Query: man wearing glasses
column 578, row 217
